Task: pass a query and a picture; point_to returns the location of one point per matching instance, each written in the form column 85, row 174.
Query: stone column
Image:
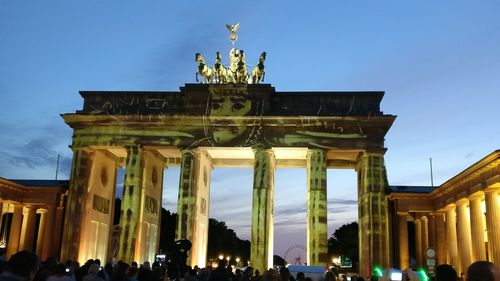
column 29, row 229
column 75, row 204
column 1, row 215
column 404, row 254
column 432, row 230
column 373, row 215
column 15, row 230
column 418, row 242
column 477, row 227
column 58, row 225
column 261, row 252
column 425, row 237
column 440, row 238
column 149, row 219
column 41, row 232
column 451, row 237
column 492, row 223
column 193, row 204
column 130, row 208
column 317, row 224
column 48, row 236
column 464, row 237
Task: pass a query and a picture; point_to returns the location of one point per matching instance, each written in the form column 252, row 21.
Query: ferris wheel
column 296, row 255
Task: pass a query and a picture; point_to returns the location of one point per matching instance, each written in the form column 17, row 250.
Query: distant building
column 459, row 220
column 32, row 216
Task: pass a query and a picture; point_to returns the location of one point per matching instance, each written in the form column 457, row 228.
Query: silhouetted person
column 59, row 274
column 145, row 272
column 93, row 272
column 21, row 266
column 329, row 276
column 46, row 269
column 300, row 276
column 132, row 273
column 120, row 272
column 483, row 271
column 444, row 272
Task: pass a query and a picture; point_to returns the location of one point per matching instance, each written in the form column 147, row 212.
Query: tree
column 221, row 239
column 279, row 261
column 344, row 242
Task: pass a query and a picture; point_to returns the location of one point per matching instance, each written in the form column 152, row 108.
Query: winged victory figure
column 233, row 29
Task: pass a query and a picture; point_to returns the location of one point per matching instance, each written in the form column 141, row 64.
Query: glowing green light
column 378, row 271
column 423, row 275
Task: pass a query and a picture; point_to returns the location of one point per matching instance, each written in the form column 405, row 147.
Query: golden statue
column 258, row 72
column 203, row 69
column 233, row 29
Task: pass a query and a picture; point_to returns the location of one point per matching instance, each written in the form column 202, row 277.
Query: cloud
column 38, row 152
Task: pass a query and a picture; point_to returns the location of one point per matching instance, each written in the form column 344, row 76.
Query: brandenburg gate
column 221, row 125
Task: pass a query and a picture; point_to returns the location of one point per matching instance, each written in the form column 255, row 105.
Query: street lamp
column 221, row 256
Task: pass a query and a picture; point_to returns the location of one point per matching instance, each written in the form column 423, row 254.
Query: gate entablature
column 232, row 116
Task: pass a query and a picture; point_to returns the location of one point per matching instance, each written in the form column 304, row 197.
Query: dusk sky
column 437, row 61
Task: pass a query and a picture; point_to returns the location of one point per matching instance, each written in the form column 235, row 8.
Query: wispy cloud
column 37, row 152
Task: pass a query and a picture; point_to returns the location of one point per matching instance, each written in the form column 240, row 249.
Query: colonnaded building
column 245, row 125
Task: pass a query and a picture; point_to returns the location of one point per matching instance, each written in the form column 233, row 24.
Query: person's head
column 94, row 268
column 120, row 271
column 271, row 275
column 361, row 278
column 146, row 265
column 301, row 276
column 249, row 271
column 23, row 264
column 284, row 273
column 444, row 272
column 59, row 269
column 329, row 276
column 483, row 271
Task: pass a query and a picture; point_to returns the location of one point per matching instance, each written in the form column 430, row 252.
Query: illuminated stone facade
column 207, row 126
column 459, row 219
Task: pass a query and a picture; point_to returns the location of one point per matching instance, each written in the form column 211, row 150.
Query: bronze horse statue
column 221, row 74
column 258, row 72
column 204, row 70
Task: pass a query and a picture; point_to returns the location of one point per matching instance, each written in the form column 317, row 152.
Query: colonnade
column 462, row 232
column 141, row 203
column 21, row 232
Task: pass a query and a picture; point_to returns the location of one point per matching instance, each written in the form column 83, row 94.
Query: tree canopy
column 344, row 242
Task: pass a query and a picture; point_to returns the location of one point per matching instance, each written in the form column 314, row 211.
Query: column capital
column 491, row 189
column 450, row 207
column 462, row 201
column 477, row 195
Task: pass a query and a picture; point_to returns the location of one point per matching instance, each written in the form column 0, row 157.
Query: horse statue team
column 236, row 73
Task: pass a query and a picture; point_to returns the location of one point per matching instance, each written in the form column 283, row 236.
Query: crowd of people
column 26, row 266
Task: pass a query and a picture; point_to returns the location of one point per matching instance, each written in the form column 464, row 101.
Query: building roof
column 27, row 182
column 411, row 189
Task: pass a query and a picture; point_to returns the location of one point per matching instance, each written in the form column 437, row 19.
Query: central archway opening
column 230, row 213
column 290, row 214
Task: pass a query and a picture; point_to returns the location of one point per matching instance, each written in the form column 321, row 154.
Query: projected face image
column 225, row 131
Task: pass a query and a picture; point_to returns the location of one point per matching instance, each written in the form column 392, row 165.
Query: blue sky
column 437, row 61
